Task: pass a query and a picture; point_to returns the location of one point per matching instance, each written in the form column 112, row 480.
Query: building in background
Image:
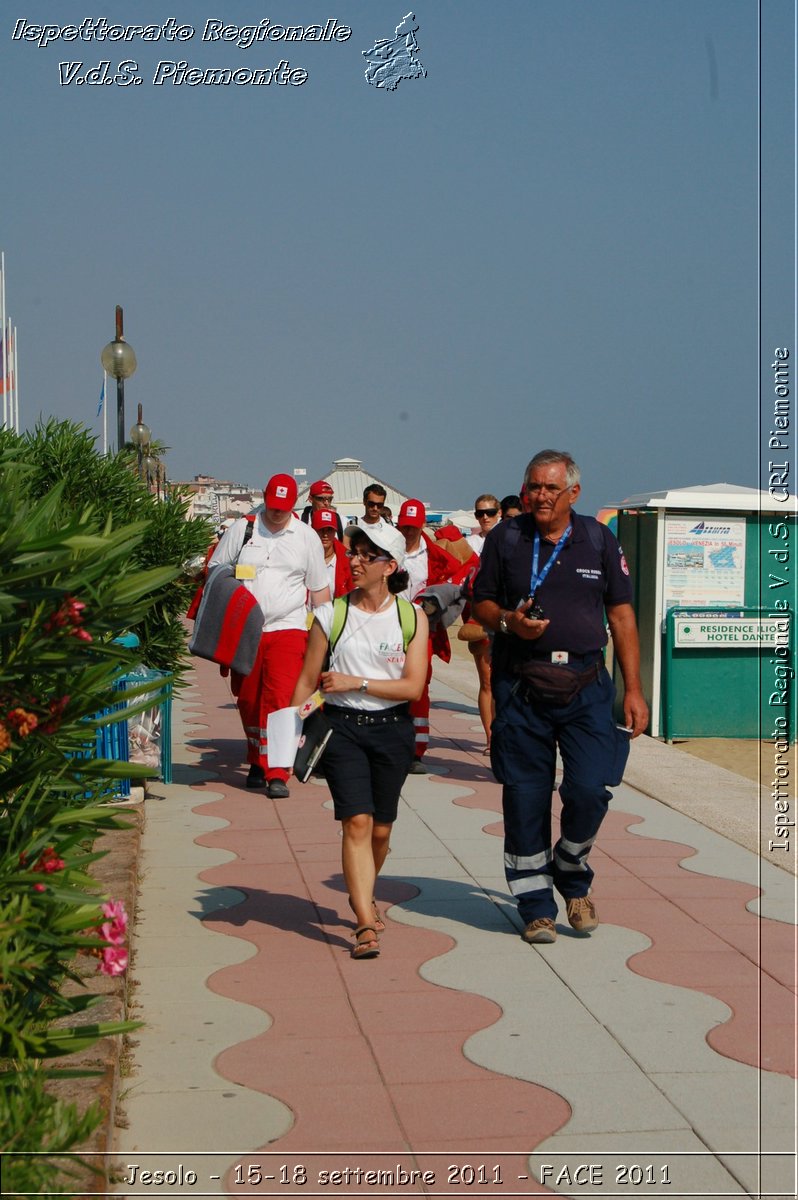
column 349, row 479
column 217, row 499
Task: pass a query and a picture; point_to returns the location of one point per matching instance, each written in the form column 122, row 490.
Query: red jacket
column 443, row 567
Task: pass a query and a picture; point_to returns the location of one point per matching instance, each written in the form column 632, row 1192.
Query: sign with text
column 729, row 631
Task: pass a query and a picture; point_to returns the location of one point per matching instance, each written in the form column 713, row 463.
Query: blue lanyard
column 537, row 579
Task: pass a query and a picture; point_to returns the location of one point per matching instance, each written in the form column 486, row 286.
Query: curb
column 117, row 875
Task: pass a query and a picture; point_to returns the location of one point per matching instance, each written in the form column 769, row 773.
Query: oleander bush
column 60, row 453
column 73, row 577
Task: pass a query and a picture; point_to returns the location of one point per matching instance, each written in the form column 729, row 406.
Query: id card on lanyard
column 537, row 577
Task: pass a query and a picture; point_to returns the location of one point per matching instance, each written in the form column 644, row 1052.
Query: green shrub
column 71, row 581
column 62, row 454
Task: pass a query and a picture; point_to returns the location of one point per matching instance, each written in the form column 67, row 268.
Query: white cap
column 385, row 537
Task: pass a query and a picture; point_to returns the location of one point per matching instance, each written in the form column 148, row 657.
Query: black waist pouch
column 554, row 684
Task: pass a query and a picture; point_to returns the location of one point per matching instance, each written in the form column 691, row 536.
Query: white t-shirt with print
column 370, row 647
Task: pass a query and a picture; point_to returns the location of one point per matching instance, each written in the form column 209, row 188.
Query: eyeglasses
column 366, row 556
column 373, row 503
column 485, row 512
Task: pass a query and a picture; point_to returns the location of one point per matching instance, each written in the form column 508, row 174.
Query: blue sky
column 551, row 240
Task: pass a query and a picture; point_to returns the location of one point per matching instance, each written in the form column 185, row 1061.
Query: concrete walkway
column 656, row 1056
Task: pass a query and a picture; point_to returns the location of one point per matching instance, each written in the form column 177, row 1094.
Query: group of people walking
column 541, row 579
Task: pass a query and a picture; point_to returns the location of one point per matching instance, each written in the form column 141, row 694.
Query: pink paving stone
column 284, row 1062
column 332, row 1116
column 621, row 886
column 669, row 928
column 423, row 1057
column 695, row 969
column 270, row 846
column 764, row 1011
column 407, row 1012
column 484, row 1108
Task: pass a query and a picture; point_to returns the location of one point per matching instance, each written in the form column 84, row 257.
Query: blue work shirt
column 580, row 585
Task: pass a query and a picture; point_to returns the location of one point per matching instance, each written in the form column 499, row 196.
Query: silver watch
column 364, row 687
column 503, row 626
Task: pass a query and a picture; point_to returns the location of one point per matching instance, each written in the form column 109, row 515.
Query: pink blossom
column 114, row 931
column 113, row 961
column 39, row 887
column 114, row 928
column 114, row 910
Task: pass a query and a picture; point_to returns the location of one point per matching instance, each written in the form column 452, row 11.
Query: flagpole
column 105, row 412
column 16, row 383
column 3, row 328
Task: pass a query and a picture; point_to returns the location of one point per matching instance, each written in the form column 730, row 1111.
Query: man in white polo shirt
column 280, row 564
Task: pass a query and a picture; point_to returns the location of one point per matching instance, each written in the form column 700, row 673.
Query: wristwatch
column 364, row 687
column 503, row 626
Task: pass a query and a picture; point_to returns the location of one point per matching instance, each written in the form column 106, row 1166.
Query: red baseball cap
column 412, row 512
column 280, row 492
column 324, row 518
column 321, row 488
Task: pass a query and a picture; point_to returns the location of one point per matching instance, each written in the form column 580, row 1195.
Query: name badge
column 245, row 571
column 559, row 656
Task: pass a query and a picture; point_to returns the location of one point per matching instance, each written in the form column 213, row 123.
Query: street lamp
column 119, row 361
column 141, row 436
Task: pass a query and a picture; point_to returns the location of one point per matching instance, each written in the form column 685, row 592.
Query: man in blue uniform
column 546, row 580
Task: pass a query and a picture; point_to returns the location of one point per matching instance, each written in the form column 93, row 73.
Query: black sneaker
column 277, row 789
column 256, row 777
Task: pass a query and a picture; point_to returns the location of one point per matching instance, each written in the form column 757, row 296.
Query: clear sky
column 551, row 240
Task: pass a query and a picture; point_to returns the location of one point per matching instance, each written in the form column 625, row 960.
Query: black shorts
column 367, row 760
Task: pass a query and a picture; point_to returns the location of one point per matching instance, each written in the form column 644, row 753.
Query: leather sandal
column 369, row 947
column 379, row 924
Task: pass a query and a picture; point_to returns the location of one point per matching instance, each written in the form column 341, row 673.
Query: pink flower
column 114, row 931
column 114, row 910
column 39, row 887
column 113, row 961
column 114, row 928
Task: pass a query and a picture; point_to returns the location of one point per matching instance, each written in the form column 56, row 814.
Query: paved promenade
column 655, row 1057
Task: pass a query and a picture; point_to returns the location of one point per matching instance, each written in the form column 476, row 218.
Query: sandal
column 369, row 947
column 379, row 924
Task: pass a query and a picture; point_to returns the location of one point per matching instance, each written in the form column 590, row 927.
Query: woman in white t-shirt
column 367, row 692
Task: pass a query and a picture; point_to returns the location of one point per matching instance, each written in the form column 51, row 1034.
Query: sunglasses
column 374, row 504
column 366, row 556
column 485, row 512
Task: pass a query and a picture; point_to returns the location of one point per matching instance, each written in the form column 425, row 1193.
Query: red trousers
column 269, row 686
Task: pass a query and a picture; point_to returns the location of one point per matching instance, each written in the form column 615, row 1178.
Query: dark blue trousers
column 524, row 741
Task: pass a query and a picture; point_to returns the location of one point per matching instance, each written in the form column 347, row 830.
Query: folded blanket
column 229, row 623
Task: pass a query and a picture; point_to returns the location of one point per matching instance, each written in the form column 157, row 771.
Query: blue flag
column 102, row 399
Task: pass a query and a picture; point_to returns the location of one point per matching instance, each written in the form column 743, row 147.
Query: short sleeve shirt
column 581, row 584
column 287, row 565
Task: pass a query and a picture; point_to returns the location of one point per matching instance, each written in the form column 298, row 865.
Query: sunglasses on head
column 485, row 512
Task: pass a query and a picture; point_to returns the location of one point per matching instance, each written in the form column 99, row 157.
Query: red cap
column 412, row 512
column 321, row 488
column 280, row 492
column 324, row 518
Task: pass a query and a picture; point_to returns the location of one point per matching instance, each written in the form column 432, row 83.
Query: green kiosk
column 714, row 570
